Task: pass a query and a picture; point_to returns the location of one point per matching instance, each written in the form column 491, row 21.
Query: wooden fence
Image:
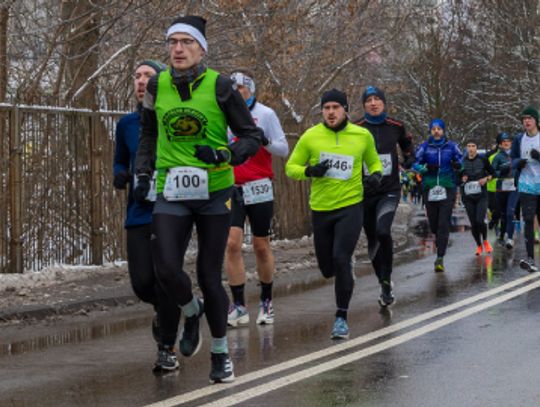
column 57, row 203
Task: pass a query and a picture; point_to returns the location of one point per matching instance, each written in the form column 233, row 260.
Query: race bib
column 185, row 184
column 386, row 161
column 507, row 184
column 437, row 193
column 472, row 188
column 152, row 194
column 339, row 166
column 258, row 191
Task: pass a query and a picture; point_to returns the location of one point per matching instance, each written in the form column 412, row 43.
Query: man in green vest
column 186, row 111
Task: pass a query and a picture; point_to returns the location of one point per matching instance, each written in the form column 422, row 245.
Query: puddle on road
column 72, row 336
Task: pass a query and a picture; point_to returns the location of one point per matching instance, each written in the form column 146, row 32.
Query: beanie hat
column 530, row 111
column 240, row 78
column 155, row 65
column 502, row 137
column 437, row 122
column 334, row 95
column 373, row 91
column 192, row 25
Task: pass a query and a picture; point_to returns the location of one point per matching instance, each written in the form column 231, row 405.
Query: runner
column 334, row 151
column 525, row 159
column 507, row 195
column 253, row 198
column 437, row 159
column 138, row 225
column 476, row 173
column 380, row 204
column 493, row 206
column 186, row 110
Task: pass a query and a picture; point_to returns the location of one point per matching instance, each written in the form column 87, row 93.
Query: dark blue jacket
column 441, row 153
column 127, row 142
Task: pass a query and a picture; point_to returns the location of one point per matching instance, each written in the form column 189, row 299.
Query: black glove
column 535, row 154
column 142, row 188
column 456, row 165
column 408, row 163
column 373, row 181
column 317, row 170
column 432, row 167
column 504, row 169
column 264, row 140
column 521, row 164
column 210, row 156
column 121, row 179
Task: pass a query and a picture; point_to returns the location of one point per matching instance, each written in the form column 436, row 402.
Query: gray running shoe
column 166, row 360
column 528, row 264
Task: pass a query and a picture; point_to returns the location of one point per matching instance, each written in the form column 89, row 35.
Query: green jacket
column 351, row 144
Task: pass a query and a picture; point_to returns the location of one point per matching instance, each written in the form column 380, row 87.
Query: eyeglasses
column 186, row 42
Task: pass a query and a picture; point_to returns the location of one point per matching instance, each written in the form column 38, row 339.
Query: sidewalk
column 64, row 291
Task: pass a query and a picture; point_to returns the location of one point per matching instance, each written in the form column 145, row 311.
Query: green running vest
column 183, row 124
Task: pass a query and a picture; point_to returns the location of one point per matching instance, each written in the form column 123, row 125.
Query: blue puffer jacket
column 441, row 153
column 127, row 142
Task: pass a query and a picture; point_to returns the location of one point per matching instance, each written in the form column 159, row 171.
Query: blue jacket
column 442, row 153
column 127, row 142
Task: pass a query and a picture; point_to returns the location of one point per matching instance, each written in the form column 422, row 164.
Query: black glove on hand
column 317, row 170
column 264, row 140
column 373, row 181
column 456, row 165
column 504, row 169
column 535, row 154
column 521, row 163
column 121, row 179
column 142, row 188
column 432, row 167
column 210, row 156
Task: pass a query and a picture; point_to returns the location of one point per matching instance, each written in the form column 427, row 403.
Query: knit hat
column 530, row 111
column 334, row 95
column 155, row 65
column 502, row 137
column 373, row 91
column 437, row 122
column 192, row 25
column 245, row 80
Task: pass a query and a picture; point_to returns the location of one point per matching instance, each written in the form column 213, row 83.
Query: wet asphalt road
column 488, row 358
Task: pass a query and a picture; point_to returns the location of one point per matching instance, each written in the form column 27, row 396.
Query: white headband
column 188, row 29
column 244, row 80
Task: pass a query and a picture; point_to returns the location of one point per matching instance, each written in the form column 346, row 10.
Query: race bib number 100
column 186, row 183
column 339, row 166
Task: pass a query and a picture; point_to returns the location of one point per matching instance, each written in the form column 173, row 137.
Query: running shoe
column 478, row 251
column 190, row 343
column 166, row 360
column 266, row 313
column 500, row 242
column 155, row 329
column 222, row 368
column 439, row 265
column 387, row 296
column 509, row 243
column 487, row 246
column 238, row 315
column 340, row 329
column 528, row 264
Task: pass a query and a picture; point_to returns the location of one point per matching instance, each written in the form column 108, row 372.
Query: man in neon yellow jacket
column 332, row 155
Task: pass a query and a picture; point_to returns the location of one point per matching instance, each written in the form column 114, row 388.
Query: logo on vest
column 184, row 124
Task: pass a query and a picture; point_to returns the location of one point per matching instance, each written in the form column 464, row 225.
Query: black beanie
column 155, row 65
column 334, row 95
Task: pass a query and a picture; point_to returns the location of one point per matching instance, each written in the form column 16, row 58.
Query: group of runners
column 198, row 152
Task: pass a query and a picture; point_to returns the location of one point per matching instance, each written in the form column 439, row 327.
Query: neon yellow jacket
column 328, row 193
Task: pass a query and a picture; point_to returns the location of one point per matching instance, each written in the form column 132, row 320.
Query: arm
column 371, row 158
column 278, row 144
column 239, row 120
column 407, row 147
column 121, row 151
column 146, row 152
column 420, row 164
column 296, row 165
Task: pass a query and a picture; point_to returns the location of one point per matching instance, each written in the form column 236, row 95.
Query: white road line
column 209, row 390
column 355, row 356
